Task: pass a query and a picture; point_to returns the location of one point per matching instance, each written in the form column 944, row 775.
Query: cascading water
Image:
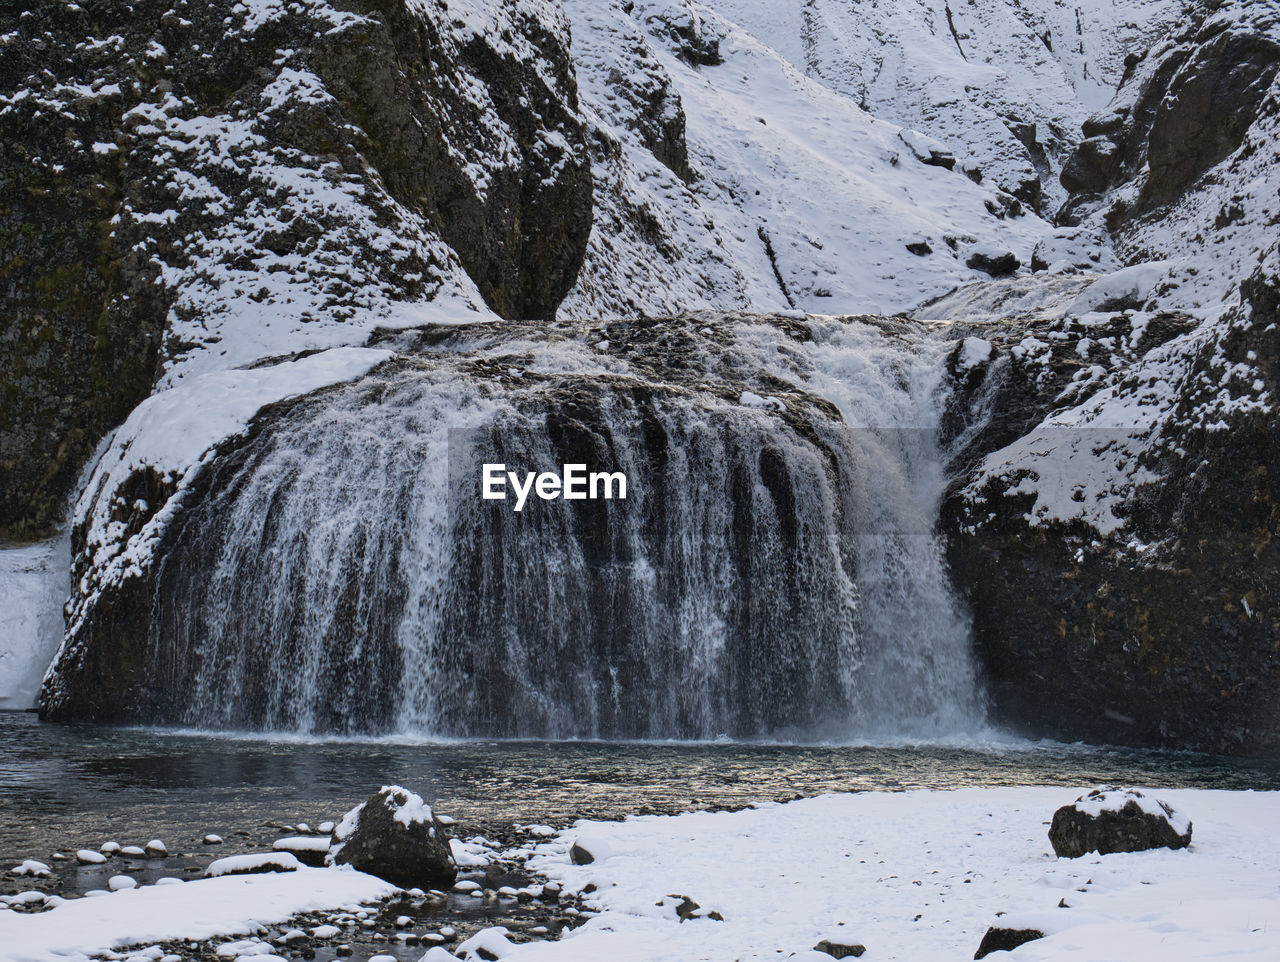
column 772, row 572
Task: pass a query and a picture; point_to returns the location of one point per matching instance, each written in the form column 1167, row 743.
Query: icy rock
column 109, row 848
column 211, row 840
column 133, row 851
column 325, row 828
column 325, row 932
column 156, row 849
column 252, row 864
column 1005, row 940
column 993, row 261
column 118, row 883
column 89, row 857
column 1110, row 820
column 33, row 868
column 840, row 950
column 395, row 836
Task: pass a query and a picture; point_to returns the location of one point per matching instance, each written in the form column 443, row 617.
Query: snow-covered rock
column 394, row 835
column 1117, row 820
column 252, row 864
column 308, row 849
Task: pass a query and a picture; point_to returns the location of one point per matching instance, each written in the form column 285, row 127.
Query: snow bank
column 34, row 585
column 920, row 876
column 233, row 905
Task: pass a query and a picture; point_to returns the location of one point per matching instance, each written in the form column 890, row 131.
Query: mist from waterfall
column 773, row 572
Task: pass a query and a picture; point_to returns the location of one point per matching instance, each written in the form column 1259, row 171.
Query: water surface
column 64, row 787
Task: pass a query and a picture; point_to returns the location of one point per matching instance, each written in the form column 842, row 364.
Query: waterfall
column 772, row 572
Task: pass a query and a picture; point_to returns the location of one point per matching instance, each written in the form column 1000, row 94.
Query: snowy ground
column 921, row 875
column 910, row 875
column 227, row 906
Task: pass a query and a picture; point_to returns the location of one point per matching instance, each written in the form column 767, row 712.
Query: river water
column 65, row 787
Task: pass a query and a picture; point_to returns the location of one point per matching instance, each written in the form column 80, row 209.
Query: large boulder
column 395, row 836
column 1110, row 820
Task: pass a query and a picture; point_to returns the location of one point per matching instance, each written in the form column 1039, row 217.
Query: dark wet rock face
column 1080, row 635
column 159, row 173
column 1114, row 820
column 396, row 837
column 999, row 939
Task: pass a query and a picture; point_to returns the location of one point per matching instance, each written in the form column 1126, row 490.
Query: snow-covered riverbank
column 921, row 875
column 913, row 875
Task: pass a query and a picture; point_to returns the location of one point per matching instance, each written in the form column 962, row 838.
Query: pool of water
column 64, row 787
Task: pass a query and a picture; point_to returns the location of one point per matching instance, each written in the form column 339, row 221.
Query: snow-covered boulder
column 1073, row 249
column 1110, row 820
column 992, row 260
column 395, row 835
column 1125, row 289
column 587, row 849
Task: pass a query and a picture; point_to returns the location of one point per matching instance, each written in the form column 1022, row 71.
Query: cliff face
column 1120, row 557
column 202, row 184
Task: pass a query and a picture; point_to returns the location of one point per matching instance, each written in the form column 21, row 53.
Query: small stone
column 156, row 849
column 89, row 857
column 840, row 950
column 109, row 848
column 211, row 840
